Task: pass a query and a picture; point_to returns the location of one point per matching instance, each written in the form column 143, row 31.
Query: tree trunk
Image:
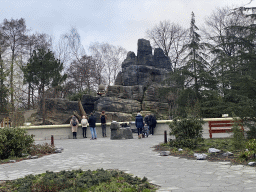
column 11, row 82
column 32, row 97
column 29, row 90
column 43, row 105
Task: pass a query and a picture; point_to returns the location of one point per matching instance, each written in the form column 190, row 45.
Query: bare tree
column 62, row 51
column 170, row 37
column 3, row 74
column 15, row 30
column 82, row 73
column 110, row 58
column 75, row 49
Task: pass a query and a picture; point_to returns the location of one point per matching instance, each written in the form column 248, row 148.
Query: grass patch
column 78, row 180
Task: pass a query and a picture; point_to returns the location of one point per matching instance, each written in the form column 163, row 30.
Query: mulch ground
column 214, row 157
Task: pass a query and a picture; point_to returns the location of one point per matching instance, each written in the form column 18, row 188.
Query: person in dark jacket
column 146, row 119
column 103, row 120
column 92, row 125
column 152, row 123
column 139, row 124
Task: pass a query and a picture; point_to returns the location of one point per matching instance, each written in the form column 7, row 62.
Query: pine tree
column 196, row 65
column 43, row 70
column 195, row 72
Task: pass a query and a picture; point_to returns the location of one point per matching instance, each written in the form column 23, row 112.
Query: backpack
column 74, row 122
column 103, row 119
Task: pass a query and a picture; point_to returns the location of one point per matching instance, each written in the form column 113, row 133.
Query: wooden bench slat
column 222, row 126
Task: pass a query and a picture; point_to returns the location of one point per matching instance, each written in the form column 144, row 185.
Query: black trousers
column 84, row 131
column 74, row 135
column 139, row 131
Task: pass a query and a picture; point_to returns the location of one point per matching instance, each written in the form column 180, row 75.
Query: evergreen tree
column 43, row 70
column 196, row 65
column 195, row 72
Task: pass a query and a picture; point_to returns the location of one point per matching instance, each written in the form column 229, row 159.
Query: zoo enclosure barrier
column 63, row 131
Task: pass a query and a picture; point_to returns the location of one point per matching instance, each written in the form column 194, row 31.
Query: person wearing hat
column 139, row 124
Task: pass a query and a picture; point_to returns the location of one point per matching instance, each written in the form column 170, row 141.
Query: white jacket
column 84, row 122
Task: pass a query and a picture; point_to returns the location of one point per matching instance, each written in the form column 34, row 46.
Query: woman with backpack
column 103, row 120
column 74, row 124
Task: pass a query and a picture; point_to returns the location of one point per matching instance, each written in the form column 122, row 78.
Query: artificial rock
column 136, row 88
column 114, row 104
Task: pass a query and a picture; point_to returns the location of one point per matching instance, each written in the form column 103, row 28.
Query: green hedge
column 187, row 131
column 14, row 142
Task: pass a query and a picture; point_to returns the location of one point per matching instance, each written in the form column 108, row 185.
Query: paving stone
column 138, row 158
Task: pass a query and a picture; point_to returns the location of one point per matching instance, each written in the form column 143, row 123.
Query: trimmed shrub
column 78, row 180
column 14, row 142
column 187, row 132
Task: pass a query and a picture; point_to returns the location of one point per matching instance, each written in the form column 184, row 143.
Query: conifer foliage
column 42, row 70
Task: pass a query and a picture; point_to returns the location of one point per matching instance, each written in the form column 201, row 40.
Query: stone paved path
column 136, row 156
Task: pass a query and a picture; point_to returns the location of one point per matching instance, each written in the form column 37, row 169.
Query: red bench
column 222, row 126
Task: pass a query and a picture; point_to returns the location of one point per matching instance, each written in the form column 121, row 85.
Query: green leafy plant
column 251, row 146
column 14, row 142
column 187, row 131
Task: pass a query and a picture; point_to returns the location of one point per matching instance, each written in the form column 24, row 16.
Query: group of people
column 149, row 122
column 92, row 124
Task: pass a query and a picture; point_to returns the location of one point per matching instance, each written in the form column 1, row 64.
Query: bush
column 78, row 180
column 187, row 131
column 251, row 146
column 251, row 134
column 238, row 140
column 14, row 142
column 40, row 149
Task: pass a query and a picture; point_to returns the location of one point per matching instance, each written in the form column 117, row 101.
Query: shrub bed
column 78, row 180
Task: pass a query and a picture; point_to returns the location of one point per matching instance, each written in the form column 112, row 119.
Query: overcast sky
column 118, row 22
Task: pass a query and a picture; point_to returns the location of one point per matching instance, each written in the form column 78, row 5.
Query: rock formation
column 141, row 77
column 144, row 68
column 136, row 88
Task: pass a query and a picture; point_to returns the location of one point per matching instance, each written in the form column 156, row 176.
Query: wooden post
column 165, row 136
column 52, row 140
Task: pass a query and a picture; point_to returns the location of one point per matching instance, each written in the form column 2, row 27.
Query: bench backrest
column 228, row 123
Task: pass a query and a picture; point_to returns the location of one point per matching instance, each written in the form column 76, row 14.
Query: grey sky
column 118, row 22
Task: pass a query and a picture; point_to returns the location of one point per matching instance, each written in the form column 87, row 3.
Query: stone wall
column 114, row 104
